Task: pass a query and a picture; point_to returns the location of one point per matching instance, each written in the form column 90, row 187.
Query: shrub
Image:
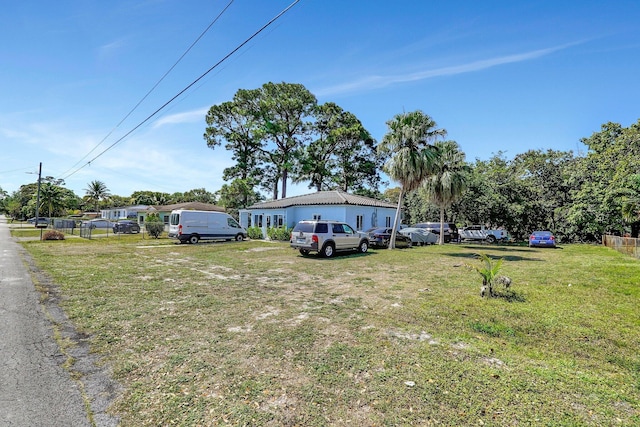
column 154, row 225
column 279, row 233
column 254, row 233
column 53, row 235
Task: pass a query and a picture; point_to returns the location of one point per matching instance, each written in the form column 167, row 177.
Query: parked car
column 420, row 236
column 480, row 232
column 98, row 223
column 542, row 239
column 41, row 221
column 455, row 234
column 327, row 237
column 434, row 227
column 380, row 237
column 126, row 226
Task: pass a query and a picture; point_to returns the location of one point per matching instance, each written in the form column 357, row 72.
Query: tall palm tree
column 411, row 154
column 449, row 179
column 96, row 191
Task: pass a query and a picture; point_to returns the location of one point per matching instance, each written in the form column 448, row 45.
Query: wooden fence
column 626, row 245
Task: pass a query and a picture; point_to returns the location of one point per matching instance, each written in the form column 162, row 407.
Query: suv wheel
column 328, row 250
column 363, row 247
column 491, row 238
column 304, row 252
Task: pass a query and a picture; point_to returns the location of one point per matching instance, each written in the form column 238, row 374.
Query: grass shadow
column 506, row 257
column 509, row 295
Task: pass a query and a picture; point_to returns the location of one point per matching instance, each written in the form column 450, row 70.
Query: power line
column 153, row 88
column 285, row 10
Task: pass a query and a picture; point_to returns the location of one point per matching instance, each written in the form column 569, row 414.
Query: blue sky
column 497, row 75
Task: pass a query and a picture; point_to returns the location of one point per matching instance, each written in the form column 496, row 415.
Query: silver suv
column 327, row 237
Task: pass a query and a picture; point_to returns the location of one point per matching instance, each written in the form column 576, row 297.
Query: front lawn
column 252, row 333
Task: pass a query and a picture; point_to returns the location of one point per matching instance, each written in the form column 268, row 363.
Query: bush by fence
column 626, row 245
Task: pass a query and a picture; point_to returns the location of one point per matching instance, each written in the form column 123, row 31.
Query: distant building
column 140, row 212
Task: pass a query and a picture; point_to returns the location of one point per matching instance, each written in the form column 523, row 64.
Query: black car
column 126, row 227
column 379, row 238
column 41, row 221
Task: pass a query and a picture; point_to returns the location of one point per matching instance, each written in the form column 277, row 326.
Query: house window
column 387, row 221
column 165, row 219
column 359, row 222
column 317, row 217
column 268, row 221
column 278, row 220
column 258, row 220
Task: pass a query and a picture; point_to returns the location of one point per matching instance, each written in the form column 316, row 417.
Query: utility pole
column 38, row 201
column 38, row 194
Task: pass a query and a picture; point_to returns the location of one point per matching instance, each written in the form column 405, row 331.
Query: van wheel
column 239, row 238
column 193, row 239
column 363, row 247
column 328, row 250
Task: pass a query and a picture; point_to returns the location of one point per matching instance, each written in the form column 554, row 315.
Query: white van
column 192, row 226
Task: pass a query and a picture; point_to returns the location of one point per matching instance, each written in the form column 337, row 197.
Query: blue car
column 542, row 239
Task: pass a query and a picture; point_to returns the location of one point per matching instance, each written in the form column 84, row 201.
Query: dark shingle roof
column 323, row 198
column 194, row 206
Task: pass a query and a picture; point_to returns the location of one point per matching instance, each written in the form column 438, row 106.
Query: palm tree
column 411, row 155
column 52, row 197
column 96, row 191
column 449, row 179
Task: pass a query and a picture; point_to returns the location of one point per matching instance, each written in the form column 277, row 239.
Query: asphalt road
column 34, row 388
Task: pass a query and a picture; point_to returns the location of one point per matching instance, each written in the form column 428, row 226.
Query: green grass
column 252, row 333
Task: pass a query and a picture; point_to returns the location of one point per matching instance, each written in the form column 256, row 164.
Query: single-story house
column 164, row 212
column 129, row 212
column 360, row 212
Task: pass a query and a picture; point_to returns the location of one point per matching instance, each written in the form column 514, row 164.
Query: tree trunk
column 441, row 239
column 285, row 174
column 392, row 239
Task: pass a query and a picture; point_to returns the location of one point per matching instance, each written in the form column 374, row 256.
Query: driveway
column 34, row 388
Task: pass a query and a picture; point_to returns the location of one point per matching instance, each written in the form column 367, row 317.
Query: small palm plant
column 488, row 269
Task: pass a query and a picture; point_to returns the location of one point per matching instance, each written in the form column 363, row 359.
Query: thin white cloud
column 110, row 50
column 192, row 116
column 380, row 81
